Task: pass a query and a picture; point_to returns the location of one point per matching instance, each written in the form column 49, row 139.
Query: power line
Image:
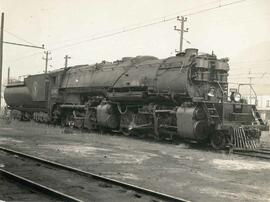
column 174, row 14
column 163, row 20
column 24, row 57
column 115, row 33
column 131, row 28
column 198, row 6
column 213, row 8
column 249, row 61
column 256, row 73
column 254, row 66
column 245, row 77
column 19, row 44
column 243, row 20
column 186, row 40
column 18, row 37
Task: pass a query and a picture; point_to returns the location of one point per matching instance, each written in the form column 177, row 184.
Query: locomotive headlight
column 236, row 97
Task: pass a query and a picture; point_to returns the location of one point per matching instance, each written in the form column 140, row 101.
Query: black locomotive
column 184, row 96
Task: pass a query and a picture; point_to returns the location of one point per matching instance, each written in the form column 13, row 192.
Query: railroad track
column 39, row 187
column 10, row 190
column 262, row 153
column 139, row 192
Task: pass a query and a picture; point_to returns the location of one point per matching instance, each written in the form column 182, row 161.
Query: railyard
column 84, row 186
column 130, row 114
column 179, row 170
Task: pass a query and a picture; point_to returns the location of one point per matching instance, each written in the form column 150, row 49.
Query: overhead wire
column 26, row 41
column 161, row 20
column 17, row 37
column 249, row 61
column 24, row 57
column 131, row 28
column 153, row 19
column 213, row 8
column 113, row 34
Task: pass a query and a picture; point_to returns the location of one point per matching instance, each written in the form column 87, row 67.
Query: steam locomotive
column 185, row 96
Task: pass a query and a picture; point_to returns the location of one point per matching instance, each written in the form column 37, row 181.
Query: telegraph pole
column 47, row 53
column 182, row 31
column 1, row 54
column 250, row 80
column 66, row 60
column 8, row 76
column 1, row 51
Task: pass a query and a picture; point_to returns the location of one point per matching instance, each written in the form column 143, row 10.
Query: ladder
column 257, row 116
column 212, row 113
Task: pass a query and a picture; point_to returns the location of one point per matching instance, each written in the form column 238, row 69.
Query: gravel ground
column 70, row 183
column 179, row 170
column 12, row 191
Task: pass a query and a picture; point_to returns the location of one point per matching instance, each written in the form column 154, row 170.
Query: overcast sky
column 239, row 31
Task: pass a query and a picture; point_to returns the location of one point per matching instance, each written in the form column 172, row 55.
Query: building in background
column 264, row 106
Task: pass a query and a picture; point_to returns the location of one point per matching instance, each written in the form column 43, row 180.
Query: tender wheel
column 218, row 140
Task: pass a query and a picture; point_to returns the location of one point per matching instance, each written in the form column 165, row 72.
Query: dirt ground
column 179, row 170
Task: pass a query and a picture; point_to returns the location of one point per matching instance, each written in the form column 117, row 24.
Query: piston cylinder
column 190, row 124
column 106, row 116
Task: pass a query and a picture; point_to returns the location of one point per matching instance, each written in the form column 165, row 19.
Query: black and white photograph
column 135, row 101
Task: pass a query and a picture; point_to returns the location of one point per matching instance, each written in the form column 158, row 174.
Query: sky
column 237, row 29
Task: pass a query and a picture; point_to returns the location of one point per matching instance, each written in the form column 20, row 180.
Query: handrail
column 223, row 92
column 222, row 100
column 250, row 86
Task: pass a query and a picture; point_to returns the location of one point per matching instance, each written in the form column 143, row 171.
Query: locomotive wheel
column 218, row 140
column 141, row 134
column 63, row 121
column 126, row 131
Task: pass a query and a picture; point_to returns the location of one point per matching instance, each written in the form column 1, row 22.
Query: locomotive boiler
column 185, row 96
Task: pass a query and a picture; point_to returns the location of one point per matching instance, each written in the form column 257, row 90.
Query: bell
column 211, row 92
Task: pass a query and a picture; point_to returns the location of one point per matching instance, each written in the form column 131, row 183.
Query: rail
column 39, row 187
column 259, row 153
column 98, row 177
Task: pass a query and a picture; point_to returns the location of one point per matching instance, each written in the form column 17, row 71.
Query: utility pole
column 66, row 60
column 47, row 53
column 1, row 54
column 250, row 80
column 182, row 31
column 8, row 76
column 1, row 51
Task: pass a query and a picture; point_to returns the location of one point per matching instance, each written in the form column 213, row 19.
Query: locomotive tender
column 184, row 96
